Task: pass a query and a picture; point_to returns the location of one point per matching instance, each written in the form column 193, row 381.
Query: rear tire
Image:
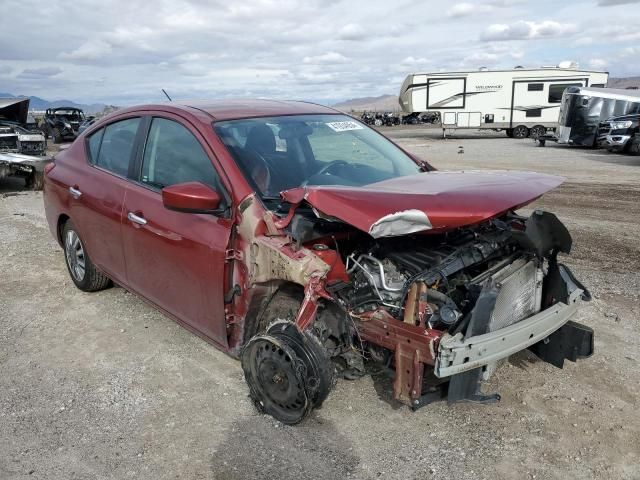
column 537, row 131
column 57, row 136
column 520, row 132
column 83, row 272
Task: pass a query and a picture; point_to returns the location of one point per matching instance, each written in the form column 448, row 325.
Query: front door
column 176, row 259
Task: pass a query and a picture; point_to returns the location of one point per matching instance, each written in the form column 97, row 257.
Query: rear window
column 111, row 147
column 94, row 145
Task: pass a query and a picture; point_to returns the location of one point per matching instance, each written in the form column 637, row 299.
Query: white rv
column 521, row 101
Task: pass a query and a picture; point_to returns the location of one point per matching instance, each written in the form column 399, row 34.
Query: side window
column 556, row 91
column 116, row 147
column 173, row 155
column 94, row 145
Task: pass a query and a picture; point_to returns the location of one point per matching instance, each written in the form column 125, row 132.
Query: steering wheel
column 326, row 169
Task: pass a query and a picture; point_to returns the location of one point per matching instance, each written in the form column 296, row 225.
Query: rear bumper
column 457, row 355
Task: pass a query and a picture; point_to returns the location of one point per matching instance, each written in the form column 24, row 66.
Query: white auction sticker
column 344, row 126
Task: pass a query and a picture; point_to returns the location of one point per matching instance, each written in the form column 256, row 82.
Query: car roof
column 243, row 108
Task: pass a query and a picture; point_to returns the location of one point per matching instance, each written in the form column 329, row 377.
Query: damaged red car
column 307, row 244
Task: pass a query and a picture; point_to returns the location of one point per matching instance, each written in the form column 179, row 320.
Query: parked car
column 617, row 134
column 17, row 132
column 301, row 241
column 62, row 123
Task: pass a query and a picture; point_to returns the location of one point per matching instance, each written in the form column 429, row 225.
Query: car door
column 176, row 259
column 97, row 194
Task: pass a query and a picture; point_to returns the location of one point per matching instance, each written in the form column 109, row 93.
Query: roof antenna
column 166, row 94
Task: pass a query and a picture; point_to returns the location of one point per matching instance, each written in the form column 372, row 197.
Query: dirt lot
column 97, row 386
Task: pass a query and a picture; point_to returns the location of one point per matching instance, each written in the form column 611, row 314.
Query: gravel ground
column 97, row 386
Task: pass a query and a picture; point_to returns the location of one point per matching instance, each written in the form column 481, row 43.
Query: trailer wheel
column 537, row 131
column 520, row 132
column 509, row 132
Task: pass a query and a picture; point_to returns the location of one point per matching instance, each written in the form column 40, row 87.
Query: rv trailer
column 583, row 109
column 520, row 101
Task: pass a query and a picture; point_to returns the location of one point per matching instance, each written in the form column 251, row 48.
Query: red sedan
column 304, row 242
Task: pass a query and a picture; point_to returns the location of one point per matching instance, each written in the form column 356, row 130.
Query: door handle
column 75, row 193
column 136, row 218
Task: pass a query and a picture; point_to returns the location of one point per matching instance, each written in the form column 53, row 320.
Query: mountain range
column 37, row 103
column 387, row 102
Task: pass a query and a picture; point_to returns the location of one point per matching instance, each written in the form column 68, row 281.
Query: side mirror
column 191, row 197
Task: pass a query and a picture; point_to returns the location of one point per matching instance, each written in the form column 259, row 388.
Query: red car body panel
column 176, row 260
column 449, row 199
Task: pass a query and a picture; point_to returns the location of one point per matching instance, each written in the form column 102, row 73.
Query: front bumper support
column 457, row 355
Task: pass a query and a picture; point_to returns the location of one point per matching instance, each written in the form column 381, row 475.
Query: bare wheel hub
column 288, row 372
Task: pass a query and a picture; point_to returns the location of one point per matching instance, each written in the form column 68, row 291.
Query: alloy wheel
column 74, row 253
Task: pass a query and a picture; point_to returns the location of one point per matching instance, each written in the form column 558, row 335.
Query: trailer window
column 535, row 87
column 534, row 112
column 556, row 91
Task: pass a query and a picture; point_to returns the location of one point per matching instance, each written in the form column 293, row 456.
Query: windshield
column 71, row 115
column 279, row 153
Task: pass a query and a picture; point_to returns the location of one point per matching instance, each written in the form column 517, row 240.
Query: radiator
column 520, row 293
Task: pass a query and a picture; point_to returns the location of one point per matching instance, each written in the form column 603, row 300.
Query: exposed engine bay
column 411, row 302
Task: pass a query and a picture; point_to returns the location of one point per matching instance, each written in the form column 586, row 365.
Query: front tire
column 83, row 272
column 288, row 372
column 520, row 132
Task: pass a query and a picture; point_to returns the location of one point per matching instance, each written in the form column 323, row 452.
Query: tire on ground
column 537, row 131
column 521, row 131
column 92, row 280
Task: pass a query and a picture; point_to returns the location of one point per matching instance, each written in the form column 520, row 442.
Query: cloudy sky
column 124, row 52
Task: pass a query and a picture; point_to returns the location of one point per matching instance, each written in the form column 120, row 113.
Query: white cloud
column 610, row 3
column 123, row 52
column 412, row 62
column 598, row 63
column 352, row 31
column 480, row 59
column 40, row 72
column 90, row 50
column 325, row 59
column 466, row 9
column 522, row 30
column 630, row 52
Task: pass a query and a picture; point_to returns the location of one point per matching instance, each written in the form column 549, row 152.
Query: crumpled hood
column 434, row 201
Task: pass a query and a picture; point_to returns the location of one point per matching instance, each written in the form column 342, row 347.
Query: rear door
column 97, row 195
column 176, row 259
